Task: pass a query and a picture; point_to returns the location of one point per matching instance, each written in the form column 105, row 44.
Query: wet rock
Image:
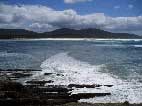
column 83, row 86
column 88, row 95
column 36, row 93
column 50, row 81
column 48, row 73
column 12, row 93
column 87, row 86
column 59, row 74
column 56, row 95
column 46, row 89
column 3, row 78
column 41, row 83
column 108, row 85
column 53, row 73
column 31, row 86
column 58, row 86
column 24, row 70
column 35, row 102
column 15, row 94
column 20, row 75
column 18, row 95
column 11, row 86
column 14, row 90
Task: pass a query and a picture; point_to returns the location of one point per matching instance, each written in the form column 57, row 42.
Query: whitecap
column 79, row 72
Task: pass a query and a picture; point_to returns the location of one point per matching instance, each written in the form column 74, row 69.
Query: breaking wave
column 75, row 71
column 78, row 72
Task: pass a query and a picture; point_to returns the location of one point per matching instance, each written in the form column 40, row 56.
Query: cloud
column 75, row 1
column 41, row 18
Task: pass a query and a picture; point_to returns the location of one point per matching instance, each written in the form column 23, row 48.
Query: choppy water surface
column 116, row 62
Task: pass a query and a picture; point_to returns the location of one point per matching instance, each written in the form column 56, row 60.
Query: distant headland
column 65, row 33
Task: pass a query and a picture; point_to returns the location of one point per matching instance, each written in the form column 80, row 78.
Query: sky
column 48, row 15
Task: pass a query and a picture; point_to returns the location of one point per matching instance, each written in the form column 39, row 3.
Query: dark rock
column 21, row 75
column 11, row 86
column 32, row 70
column 15, row 94
column 82, row 86
column 34, row 102
column 48, row 73
column 58, row 86
column 50, row 81
column 108, row 85
column 57, row 95
column 31, row 86
column 14, row 90
column 59, row 74
column 42, row 83
column 53, row 73
column 45, row 89
column 88, row 95
column 36, row 93
column 26, row 70
column 86, row 86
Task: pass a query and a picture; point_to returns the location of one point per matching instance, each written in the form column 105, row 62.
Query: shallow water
column 116, row 62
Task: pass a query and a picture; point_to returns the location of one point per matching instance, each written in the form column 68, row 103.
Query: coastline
column 35, row 93
column 101, row 104
column 84, row 69
column 68, row 39
column 26, row 98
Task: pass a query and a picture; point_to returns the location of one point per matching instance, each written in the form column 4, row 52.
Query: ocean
column 82, row 61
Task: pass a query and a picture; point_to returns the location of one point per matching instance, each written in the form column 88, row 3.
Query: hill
column 65, row 33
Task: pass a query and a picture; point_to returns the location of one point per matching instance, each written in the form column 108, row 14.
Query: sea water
column 82, row 61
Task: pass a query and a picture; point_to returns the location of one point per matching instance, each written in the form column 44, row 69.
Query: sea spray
column 79, row 72
column 74, row 71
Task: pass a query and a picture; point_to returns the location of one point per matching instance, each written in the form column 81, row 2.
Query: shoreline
column 68, row 39
column 35, row 92
column 102, row 104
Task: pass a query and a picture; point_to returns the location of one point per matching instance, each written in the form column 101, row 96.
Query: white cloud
column 42, row 18
column 75, row 1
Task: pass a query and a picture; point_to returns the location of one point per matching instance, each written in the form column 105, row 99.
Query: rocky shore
column 42, row 93
column 101, row 104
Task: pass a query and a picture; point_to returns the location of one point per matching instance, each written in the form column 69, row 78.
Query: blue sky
column 109, row 7
column 47, row 15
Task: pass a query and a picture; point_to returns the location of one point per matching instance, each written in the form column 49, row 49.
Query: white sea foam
column 71, row 39
column 119, row 93
column 138, row 46
column 75, row 71
column 78, row 72
column 5, row 54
